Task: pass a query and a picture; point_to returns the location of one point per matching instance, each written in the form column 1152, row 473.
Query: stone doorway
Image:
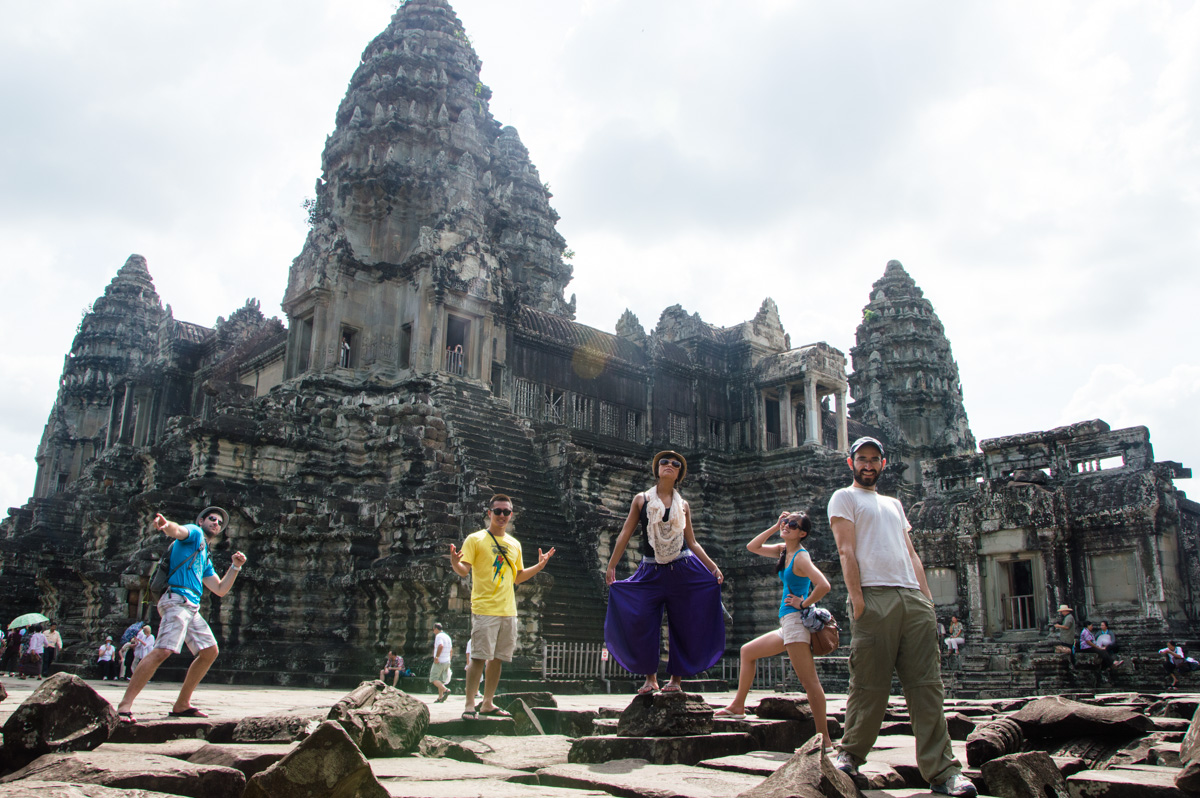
column 1014, row 593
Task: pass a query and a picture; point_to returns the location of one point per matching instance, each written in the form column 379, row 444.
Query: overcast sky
column 1036, row 167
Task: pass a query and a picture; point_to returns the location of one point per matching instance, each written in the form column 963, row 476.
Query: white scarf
column 665, row 538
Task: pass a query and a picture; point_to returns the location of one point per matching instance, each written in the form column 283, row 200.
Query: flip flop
column 672, row 687
column 470, row 714
column 127, row 718
column 443, row 698
column 646, row 689
column 725, row 713
column 190, row 712
column 495, row 712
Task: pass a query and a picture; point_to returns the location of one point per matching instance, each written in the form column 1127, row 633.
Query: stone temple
column 429, row 358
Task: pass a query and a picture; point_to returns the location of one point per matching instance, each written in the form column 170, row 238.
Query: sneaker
column 845, row 763
column 958, row 784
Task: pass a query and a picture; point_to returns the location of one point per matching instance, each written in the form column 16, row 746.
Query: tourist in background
column 894, row 626
column 675, row 573
column 393, row 663
column 1107, row 640
column 439, row 672
column 1087, row 645
column 1066, row 632
column 1174, row 661
column 31, row 657
column 106, row 660
column 954, row 636
column 53, row 646
column 803, row 587
column 492, row 558
column 12, row 652
column 143, row 644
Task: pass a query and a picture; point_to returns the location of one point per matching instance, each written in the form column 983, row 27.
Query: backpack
column 160, row 579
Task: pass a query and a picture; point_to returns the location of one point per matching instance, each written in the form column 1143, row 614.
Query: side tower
column 117, row 337
column 904, row 379
column 430, row 228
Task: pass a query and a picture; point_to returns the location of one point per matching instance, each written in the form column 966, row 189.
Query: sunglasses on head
column 672, row 463
column 501, row 511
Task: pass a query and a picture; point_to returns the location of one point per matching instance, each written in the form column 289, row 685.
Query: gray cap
column 865, row 441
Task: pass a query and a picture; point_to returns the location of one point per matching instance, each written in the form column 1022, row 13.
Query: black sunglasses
column 792, row 524
column 500, row 511
column 672, row 463
column 220, row 521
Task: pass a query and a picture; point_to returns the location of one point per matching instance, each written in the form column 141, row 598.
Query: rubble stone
column 1059, row 718
column 995, row 738
column 808, row 774
column 665, row 714
column 673, row 750
column 136, row 771
column 278, row 727
column 381, row 720
column 1032, row 774
column 325, row 765
column 63, row 714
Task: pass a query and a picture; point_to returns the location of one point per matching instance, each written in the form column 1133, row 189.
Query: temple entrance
column 1019, row 608
column 1013, row 583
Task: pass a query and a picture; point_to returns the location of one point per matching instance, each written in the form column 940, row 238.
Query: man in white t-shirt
column 143, row 644
column 894, row 627
column 439, row 674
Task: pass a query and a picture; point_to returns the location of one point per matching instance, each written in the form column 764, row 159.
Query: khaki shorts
column 181, row 623
column 792, row 630
column 493, row 637
column 440, row 672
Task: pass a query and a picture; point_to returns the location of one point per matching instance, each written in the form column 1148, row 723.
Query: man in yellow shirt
column 493, row 560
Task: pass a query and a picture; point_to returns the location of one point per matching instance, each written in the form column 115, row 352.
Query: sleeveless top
column 793, row 585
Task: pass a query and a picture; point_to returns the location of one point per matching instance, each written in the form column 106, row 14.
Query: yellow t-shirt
column 492, row 575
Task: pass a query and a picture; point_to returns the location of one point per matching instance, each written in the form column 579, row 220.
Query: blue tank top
column 793, row 585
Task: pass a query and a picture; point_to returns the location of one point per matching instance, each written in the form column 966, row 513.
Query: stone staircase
column 504, row 458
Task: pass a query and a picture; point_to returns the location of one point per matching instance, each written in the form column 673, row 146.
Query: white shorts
column 181, row 623
column 493, row 637
column 792, row 630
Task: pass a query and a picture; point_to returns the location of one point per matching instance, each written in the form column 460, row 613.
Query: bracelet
column 236, row 567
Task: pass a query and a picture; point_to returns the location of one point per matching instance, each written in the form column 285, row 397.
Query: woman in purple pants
column 675, row 573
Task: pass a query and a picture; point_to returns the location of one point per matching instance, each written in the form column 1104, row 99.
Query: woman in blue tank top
column 803, row 586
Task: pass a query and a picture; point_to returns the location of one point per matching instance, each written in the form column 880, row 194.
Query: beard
column 867, row 480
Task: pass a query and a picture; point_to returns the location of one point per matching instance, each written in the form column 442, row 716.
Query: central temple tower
column 430, row 227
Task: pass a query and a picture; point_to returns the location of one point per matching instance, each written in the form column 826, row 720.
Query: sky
column 1035, row 167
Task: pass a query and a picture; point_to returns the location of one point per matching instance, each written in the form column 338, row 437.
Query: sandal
column 495, row 712
column 673, row 687
column 725, row 713
column 190, row 712
column 470, row 714
column 647, row 689
column 127, row 718
column 442, row 698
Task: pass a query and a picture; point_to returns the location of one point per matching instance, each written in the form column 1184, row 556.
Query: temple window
column 678, row 429
column 348, row 348
column 581, row 412
column 609, row 419
column 405, row 346
column 304, row 345
column 633, row 426
column 943, row 584
column 554, row 409
column 525, row 395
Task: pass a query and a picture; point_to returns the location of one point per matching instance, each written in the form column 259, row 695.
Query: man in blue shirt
column 190, row 570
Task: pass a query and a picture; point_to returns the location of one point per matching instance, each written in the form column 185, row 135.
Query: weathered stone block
column 382, row 720
column 1060, row 717
column 1190, row 748
column 571, row 722
column 808, row 774
column 1029, row 775
column 248, row 758
column 36, row 788
column 665, row 714
column 63, row 714
column 1122, row 784
column 325, row 765
column 524, row 720
column 674, row 750
column 997, row 738
column 637, row 777
column 136, row 771
column 278, row 727
column 784, row 707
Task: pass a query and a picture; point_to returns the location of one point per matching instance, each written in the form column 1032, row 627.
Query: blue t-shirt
column 793, row 585
column 188, row 581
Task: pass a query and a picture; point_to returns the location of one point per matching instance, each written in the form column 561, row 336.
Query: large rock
column 1060, row 717
column 666, row 715
column 63, row 714
column 249, row 758
column 996, row 738
column 808, row 774
column 1189, row 777
column 659, row 750
column 784, row 707
column 381, row 720
column 1191, row 741
column 529, row 753
column 150, row 732
column 776, row 735
column 1123, row 784
column 36, row 788
column 327, row 764
column 278, row 727
column 571, row 722
column 641, row 779
column 524, row 720
column 135, row 771
column 1029, row 775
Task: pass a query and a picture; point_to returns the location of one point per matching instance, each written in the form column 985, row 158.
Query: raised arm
column 759, row 544
column 169, row 528
column 525, row 574
column 846, row 537
column 689, row 537
column 221, row 586
column 631, row 520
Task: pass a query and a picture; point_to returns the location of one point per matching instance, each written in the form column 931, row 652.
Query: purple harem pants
column 695, row 621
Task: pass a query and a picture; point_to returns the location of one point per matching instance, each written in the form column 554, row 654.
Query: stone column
column 843, row 442
column 812, row 412
column 787, row 433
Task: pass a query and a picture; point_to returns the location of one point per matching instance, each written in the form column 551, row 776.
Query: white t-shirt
column 143, row 644
column 879, row 527
column 442, row 639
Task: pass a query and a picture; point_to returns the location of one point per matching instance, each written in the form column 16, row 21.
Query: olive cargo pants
column 898, row 632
